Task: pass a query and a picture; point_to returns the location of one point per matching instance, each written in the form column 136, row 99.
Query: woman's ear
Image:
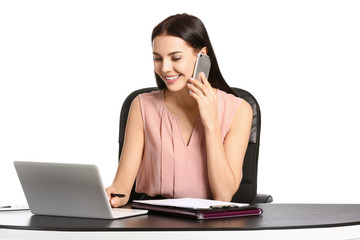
column 204, row 50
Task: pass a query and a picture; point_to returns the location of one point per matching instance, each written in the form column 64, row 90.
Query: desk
column 278, row 219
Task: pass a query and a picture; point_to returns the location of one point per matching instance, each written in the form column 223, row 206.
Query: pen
column 224, row 206
column 120, row 195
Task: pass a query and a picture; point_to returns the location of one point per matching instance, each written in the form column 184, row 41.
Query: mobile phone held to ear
column 202, row 65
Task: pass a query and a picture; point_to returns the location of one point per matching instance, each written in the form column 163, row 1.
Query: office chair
column 247, row 192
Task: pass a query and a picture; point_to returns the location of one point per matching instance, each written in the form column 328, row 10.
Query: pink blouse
column 170, row 167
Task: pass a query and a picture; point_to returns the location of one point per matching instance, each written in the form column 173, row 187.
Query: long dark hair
column 190, row 29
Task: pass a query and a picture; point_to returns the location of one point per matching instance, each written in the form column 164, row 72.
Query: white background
column 67, row 66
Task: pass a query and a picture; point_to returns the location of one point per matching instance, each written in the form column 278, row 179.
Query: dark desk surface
column 275, row 216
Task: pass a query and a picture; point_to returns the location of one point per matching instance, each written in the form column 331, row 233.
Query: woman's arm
column 130, row 158
column 224, row 159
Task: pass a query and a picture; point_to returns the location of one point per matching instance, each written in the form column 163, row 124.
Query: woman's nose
column 166, row 66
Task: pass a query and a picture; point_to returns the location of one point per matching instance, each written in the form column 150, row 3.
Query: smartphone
column 202, row 65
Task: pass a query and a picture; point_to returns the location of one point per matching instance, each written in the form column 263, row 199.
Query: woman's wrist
column 211, row 126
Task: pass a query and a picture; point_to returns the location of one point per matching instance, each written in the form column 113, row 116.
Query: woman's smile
column 171, row 78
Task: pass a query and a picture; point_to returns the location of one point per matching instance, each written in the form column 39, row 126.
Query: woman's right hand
column 115, row 201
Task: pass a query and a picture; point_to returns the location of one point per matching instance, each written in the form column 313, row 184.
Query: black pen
column 120, row 195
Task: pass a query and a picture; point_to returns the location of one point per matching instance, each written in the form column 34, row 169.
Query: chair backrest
column 248, row 187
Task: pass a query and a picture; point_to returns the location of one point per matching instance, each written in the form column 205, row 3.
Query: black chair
column 247, row 192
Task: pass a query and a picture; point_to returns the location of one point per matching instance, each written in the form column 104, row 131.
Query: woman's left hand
column 206, row 99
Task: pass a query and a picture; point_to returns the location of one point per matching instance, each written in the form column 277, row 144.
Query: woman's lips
column 171, row 79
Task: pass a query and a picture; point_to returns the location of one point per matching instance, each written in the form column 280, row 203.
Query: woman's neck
column 181, row 99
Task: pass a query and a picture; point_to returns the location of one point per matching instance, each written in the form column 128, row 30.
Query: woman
column 189, row 138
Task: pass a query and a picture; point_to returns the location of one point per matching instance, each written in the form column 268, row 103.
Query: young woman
column 189, row 138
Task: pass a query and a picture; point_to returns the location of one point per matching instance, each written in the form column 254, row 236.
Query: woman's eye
column 176, row 59
column 156, row 59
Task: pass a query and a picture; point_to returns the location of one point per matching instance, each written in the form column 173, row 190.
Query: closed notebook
column 198, row 208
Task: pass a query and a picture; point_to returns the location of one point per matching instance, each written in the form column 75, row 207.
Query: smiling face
column 174, row 61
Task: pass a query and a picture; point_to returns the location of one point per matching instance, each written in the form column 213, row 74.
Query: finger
column 194, row 95
column 204, row 80
column 199, row 85
column 208, row 87
column 206, row 91
column 196, row 82
column 210, row 90
column 114, row 201
column 194, row 89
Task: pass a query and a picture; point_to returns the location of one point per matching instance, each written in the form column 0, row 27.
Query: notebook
column 197, row 208
column 71, row 190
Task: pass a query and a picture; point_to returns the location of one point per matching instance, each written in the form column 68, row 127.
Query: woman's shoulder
column 232, row 104
column 151, row 101
column 228, row 97
column 155, row 95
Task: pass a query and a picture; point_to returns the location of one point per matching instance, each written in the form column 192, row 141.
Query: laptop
column 67, row 189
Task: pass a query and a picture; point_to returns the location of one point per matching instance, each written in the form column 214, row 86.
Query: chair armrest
column 262, row 198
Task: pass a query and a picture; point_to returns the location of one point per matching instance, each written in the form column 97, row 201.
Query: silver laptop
column 72, row 190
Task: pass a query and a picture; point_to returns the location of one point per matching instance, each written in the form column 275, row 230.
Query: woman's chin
column 176, row 87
